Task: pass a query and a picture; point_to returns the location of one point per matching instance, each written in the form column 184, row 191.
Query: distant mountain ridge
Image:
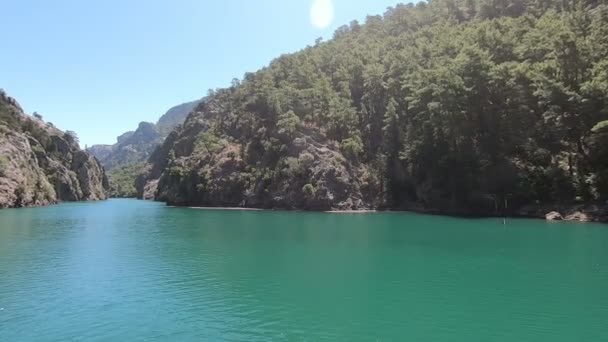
column 174, row 117
column 136, row 146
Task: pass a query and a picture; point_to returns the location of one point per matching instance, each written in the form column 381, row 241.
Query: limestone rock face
column 578, row 216
column 137, row 146
column 324, row 181
column 22, row 181
column 122, row 160
column 41, row 165
column 100, row 151
column 554, row 216
column 195, row 168
column 90, row 176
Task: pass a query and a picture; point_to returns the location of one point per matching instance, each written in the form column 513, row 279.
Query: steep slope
column 131, row 147
column 174, row 117
column 100, row 151
column 136, row 147
column 40, row 165
column 468, row 107
column 122, row 180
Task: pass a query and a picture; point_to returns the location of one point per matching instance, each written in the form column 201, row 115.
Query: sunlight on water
column 131, row 270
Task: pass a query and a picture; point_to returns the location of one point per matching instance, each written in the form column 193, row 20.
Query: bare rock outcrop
column 195, row 168
column 41, row 165
column 554, row 216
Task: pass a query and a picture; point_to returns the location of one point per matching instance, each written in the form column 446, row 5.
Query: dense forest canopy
column 448, row 104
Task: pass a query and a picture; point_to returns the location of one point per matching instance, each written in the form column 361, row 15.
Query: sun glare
column 322, row 13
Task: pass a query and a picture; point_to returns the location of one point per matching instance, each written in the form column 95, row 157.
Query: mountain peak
column 136, row 146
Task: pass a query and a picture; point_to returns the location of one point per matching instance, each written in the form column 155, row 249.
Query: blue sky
column 101, row 67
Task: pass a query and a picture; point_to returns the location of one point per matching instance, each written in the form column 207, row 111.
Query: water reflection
column 139, row 270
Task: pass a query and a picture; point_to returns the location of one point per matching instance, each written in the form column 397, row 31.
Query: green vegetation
column 45, row 165
column 137, row 146
column 450, row 104
column 207, row 142
column 600, row 127
column 122, row 181
column 174, row 117
column 71, row 137
column 9, row 116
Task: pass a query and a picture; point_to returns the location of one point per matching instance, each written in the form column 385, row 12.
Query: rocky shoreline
column 587, row 212
column 576, row 213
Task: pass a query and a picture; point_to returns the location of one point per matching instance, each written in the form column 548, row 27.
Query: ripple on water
column 130, row 270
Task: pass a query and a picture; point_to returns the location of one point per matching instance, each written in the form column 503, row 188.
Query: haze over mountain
column 136, row 146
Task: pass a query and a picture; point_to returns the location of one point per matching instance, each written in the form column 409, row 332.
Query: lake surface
column 125, row 270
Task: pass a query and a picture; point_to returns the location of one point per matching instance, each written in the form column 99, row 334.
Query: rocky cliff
column 130, row 148
column 41, row 165
column 195, row 167
column 174, row 117
column 137, row 146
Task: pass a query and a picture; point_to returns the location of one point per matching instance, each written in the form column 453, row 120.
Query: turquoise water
column 126, row 270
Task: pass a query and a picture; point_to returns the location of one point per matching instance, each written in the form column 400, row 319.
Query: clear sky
column 101, row 67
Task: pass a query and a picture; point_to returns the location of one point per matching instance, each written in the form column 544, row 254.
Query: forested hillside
column 40, row 165
column 477, row 107
column 136, row 146
column 123, row 160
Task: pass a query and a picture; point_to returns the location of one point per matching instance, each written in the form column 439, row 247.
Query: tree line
column 449, row 103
